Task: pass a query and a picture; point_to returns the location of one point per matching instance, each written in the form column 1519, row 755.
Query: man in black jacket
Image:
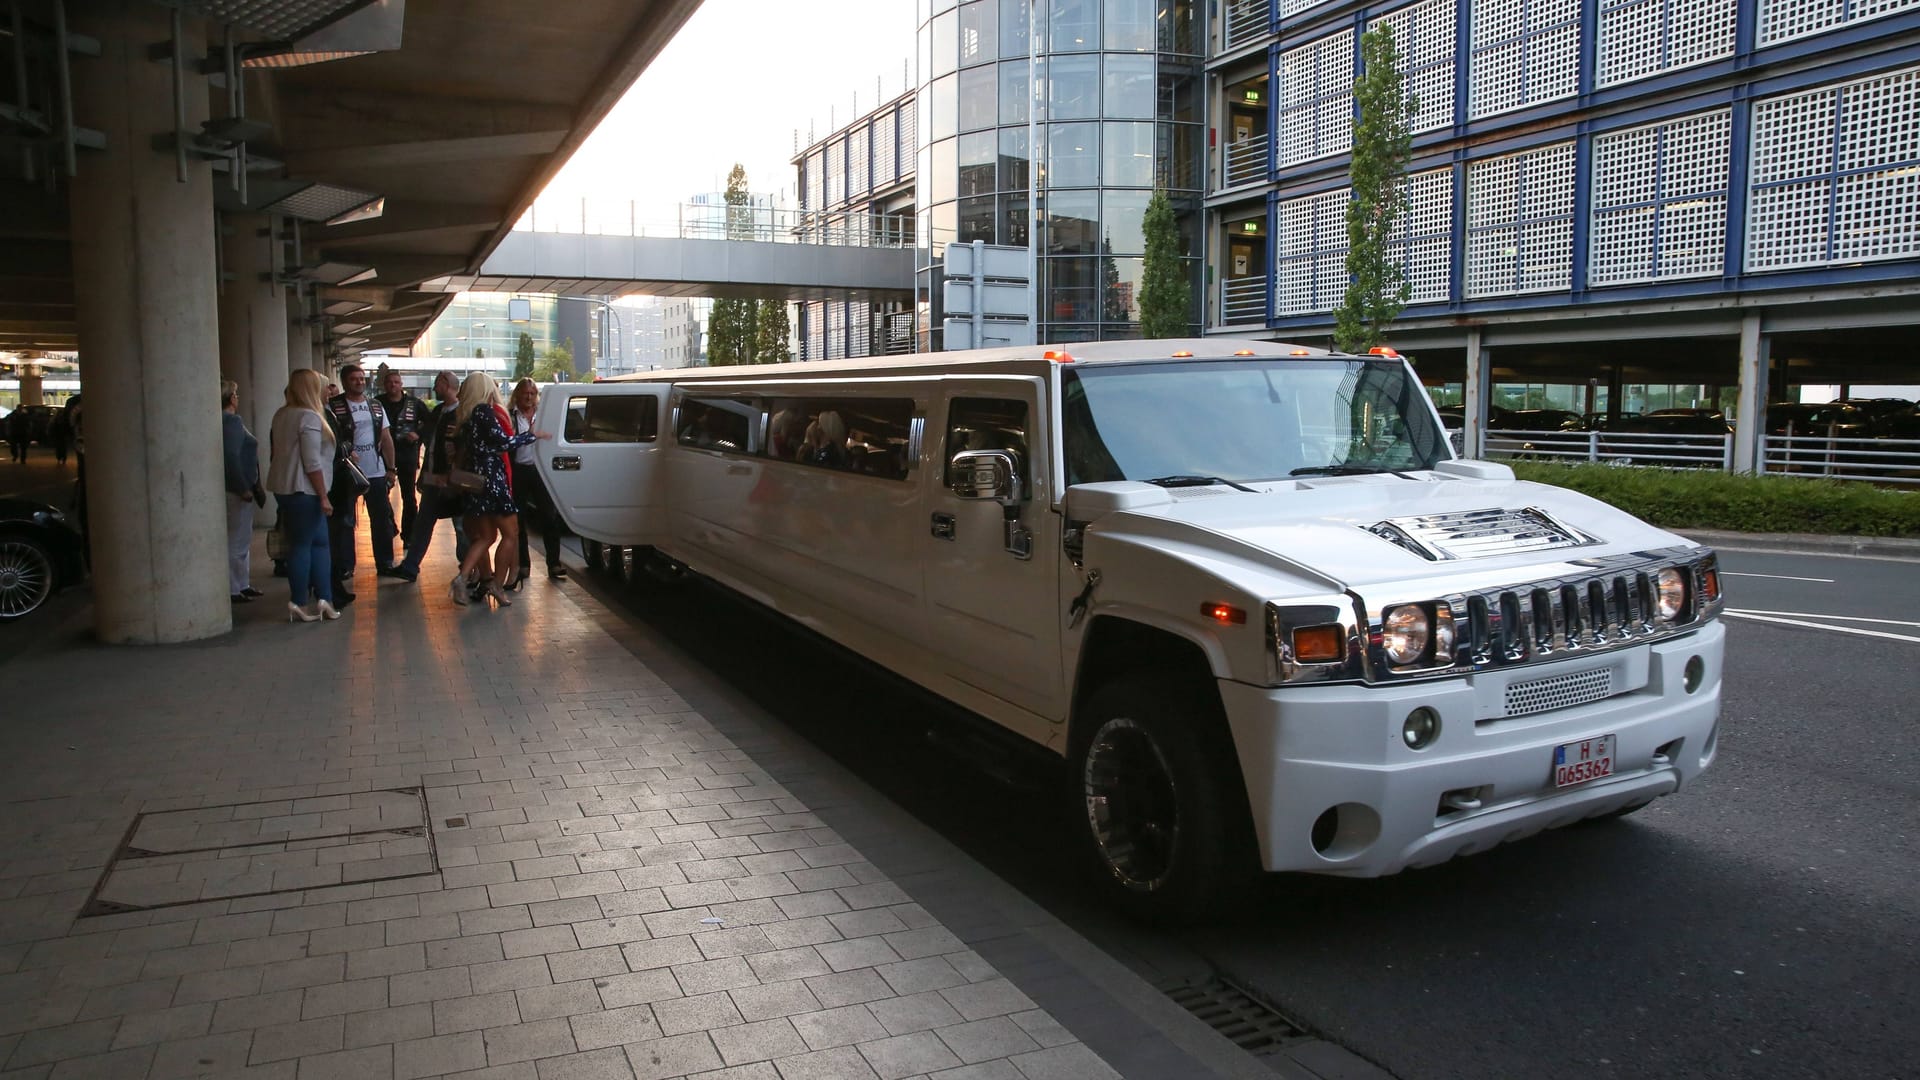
column 360, row 431
column 406, row 415
column 437, row 500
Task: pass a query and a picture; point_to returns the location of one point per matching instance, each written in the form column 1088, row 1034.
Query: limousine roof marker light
column 1382, row 350
column 1183, row 354
column 1243, row 352
column 1058, row 356
column 1301, row 352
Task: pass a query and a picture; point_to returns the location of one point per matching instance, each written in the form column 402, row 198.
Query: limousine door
column 603, row 463
column 991, row 583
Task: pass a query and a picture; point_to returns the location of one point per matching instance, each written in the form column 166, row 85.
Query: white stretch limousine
column 1245, row 589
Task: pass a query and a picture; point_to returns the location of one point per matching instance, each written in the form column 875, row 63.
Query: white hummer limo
column 1245, row 589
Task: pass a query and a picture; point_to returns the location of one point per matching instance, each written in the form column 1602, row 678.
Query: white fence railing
column 1880, row 461
column 1243, row 300
column 1246, row 20
column 1246, row 161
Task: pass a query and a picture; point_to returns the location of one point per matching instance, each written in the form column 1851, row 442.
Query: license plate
column 1579, row 762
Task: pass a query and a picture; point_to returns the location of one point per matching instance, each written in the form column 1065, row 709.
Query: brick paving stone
column 777, row 999
column 50, row 1044
column 115, row 1065
column 637, row 988
column 438, row 1055
column 474, row 1013
column 303, row 1039
column 429, row 985
column 389, row 1025
column 347, row 938
column 613, row 1027
column 538, row 941
column 197, row 1057
column 608, row 1064
column 348, row 997
column 163, row 1025
column 461, row 952
column 526, row 1042
column 1074, row 1062
column 983, row 1040
column 702, row 1012
column 917, row 1012
column 839, row 1063
column 586, row 963
column 759, row 1041
column 680, row 1055
column 843, row 1026
column 510, row 974
column 915, row 976
column 710, row 975
column 560, row 999
column 366, row 1063
column 905, row 1055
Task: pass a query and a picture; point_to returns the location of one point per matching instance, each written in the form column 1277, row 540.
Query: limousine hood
column 1352, row 532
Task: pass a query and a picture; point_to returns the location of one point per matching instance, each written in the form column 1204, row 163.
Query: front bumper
column 1305, row 751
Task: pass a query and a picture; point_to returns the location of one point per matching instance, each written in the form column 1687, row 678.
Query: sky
column 733, row 85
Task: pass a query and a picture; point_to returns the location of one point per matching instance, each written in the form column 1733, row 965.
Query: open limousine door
column 603, row 463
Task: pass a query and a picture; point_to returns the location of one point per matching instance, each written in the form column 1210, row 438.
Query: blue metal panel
column 1739, row 162
column 1582, row 212
column 1590, row 48
column 1273, row 107
column 1273, row 250
column 1457, row 259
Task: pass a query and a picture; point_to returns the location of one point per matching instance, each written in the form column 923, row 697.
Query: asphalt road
column 1761, row 924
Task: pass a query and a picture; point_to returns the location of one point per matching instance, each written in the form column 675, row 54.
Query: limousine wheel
column 1157, row 790
column 590, row 553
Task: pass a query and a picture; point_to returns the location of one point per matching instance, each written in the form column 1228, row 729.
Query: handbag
column 277, row 541
column 347, row 471
column 459, row 476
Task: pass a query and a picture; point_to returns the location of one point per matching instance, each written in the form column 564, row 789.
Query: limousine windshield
column 1245, row 420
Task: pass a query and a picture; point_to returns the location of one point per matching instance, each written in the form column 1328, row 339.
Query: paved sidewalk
column 428, row 840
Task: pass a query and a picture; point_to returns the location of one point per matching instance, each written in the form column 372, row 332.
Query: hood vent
column 1478, row 534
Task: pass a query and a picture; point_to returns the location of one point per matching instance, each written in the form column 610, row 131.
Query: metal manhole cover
column 1250, row 1022
column 173, row 857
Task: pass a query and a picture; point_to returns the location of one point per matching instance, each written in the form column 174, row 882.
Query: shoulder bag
column 460, row 475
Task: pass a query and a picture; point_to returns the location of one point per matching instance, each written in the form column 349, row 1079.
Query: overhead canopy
column 458, row 129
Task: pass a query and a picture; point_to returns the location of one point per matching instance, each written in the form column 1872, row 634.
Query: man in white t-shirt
column 360, row 422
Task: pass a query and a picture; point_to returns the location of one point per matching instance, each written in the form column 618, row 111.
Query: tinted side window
column 854, row 434
column 612, row 419
column 717, row 424
column 987, row 424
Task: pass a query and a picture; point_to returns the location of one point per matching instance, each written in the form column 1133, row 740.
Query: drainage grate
column 1249, row 1021
column 172, row 857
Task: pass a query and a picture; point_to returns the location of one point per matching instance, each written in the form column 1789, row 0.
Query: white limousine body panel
column 1317, row 498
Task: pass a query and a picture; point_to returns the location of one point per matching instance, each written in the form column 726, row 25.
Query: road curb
column 1874, row 547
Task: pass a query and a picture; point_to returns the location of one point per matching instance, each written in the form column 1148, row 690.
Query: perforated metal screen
column 1294, row 7
column 1660, row 200
column 1426, row 34
column 859, row 164
column 1781, row 20
column 1835, row 174
column 1644, row 37
column 883, row 157
column 1523, row 52
column 1310, row 271
column 1423, row 236
column 1316, row 100
column 1520, row 222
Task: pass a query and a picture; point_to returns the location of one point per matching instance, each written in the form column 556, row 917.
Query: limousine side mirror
column 986, row 474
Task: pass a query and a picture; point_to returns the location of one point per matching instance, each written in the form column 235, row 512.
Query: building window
column 1422, row 238
column 1316, row 100
column 883, row 151
column 1836, row 174
column 1520, row 222
column 816, row 180
column 1310, row 253
column 1014, row 92
column 1073, row 87
column 1782, row 20
column 979, row 94
column 836, row 173
column 979, row 36
column 1524, row 52
column 1426, row 35
column 1073, row 155
column 1642, row 37
column 859, row 175
column 1660, row 200
column 1129, row 89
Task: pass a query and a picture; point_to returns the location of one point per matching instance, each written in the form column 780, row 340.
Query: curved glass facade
column 1047, row 124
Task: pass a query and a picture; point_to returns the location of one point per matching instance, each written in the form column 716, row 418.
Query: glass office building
column 1048, row 123
column 476, row 326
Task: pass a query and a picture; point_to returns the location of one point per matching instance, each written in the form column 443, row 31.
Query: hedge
column 1700, row 499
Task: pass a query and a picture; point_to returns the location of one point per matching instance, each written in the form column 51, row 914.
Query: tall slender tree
column 1166, row 299
column 523, row 358
column 732, row 324
column 1377, row 287
column 770, row 333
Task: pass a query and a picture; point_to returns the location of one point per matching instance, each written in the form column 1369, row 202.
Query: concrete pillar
column 143, row 268
column 31, row 392
column 253, row 339
column 1750, row 419
column 299, row 346
column 1478, row 393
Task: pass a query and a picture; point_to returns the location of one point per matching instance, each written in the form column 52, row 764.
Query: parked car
column 1839, row 420
column 1877, row 407
column 1599, row 421
column 1454, row 417
column 1898, row 425
column 1677, row 422
column 1540, row 420
column 40, row 553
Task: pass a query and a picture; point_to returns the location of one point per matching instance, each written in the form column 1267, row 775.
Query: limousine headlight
column 1416, row 633
column 1670, row 595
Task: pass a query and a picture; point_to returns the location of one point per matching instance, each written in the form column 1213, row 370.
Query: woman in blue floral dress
column 492, row 514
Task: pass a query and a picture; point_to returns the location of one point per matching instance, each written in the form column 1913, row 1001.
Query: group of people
column 59, row 433
column 469, row 459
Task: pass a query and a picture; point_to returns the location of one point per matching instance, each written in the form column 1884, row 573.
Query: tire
column 591, row 553
column 27, row 575
column 1159, row 802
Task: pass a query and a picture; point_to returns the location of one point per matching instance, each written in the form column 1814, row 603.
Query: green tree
column 555, row 362
column 1377, row 287
column 770, row 331
column 1166, row 298
column 523, row 358
column 732, row 325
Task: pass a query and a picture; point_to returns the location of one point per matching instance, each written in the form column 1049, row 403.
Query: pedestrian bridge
column 763, row 254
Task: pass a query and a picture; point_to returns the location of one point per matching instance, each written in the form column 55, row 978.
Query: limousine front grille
column 1558, row 692
column 1478, row 534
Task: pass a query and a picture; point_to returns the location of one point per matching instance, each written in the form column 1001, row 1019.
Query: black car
column 1834, row 419
column 1540, row 420
column 40, row 552
column 1677, row 422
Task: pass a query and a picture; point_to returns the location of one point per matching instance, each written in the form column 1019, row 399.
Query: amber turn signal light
column 1318, row 644
column 1223, row 613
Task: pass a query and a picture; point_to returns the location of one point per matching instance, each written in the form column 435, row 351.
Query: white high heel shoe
column 328, row 611
column 296, row 613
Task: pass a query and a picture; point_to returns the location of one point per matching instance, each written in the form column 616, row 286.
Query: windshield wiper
column 1336, row 470
column 1183, row 480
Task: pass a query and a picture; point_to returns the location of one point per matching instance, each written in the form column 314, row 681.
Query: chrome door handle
column 944, row 526
column 566, row 463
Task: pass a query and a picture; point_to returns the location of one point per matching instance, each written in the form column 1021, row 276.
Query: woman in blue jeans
column 302, row 462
